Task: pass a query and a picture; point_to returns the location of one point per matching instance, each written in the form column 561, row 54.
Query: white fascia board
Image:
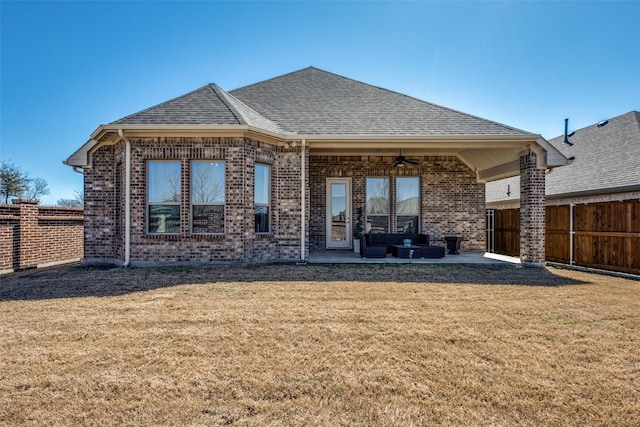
column 553, row 156
column 81, row 157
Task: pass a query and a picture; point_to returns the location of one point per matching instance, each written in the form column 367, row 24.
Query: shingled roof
column 208, row 105
column 312, row 101
column 606, row 158
column 332, row 114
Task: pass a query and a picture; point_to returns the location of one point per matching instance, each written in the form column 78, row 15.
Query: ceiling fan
column 401, row 161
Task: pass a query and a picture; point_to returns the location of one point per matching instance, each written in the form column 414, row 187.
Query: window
column 261, row 197
column 207, row 197
column 163, row 197
column 407, row 204
column 377, row 205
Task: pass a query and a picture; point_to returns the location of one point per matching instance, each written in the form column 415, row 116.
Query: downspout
column 127, row 200
column 303, row 201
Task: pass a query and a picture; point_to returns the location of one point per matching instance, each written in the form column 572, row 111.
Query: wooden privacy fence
column 600, row 235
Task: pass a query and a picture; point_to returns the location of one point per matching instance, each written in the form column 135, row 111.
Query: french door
column 338, row 213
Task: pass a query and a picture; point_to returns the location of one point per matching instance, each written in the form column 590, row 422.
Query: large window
column 261, row 197
column 163, row 197
column 407, row 204
column 377, row 205
column 207, row 197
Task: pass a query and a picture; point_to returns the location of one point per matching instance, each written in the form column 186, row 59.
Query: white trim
column 331, row 244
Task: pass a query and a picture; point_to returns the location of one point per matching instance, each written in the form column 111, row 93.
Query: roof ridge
column 217, row 89
column 233, row 103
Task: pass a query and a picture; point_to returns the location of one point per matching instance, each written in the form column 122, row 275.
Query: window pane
column 261, row 185
column 377, row 224
column 262, row 219
column 408, row 224
column 408, row 197
column 208, row 219
column 377, row 196
column 207, row 182
column 164, row 218
column 163, row 179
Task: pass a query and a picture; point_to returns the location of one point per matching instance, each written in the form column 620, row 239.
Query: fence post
column 27, row 234
column 571, row 233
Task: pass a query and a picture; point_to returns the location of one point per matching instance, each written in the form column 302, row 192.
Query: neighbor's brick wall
column 35, row 236
column 60, row 233
column 452, row 201
column 239, row 242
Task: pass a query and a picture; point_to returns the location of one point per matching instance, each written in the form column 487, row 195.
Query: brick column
column 532, row 211
column 27, row 234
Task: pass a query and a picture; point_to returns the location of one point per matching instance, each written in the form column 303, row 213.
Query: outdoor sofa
column 378, row 245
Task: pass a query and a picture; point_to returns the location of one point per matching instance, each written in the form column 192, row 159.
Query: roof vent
column 602, row 123
column 566, row 134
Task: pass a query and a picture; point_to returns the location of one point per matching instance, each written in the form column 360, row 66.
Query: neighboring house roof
column 332, row 113
column 313, row 101
column 606, row 159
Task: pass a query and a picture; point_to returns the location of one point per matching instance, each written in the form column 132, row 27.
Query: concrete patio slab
column 462, row 258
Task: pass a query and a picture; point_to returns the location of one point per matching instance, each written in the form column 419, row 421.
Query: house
column 593, row 203
column 279, row 168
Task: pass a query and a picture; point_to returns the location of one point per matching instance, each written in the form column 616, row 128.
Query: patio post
column 532, row 211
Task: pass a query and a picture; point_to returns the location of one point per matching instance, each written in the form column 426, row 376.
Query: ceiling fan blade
column 412, row 162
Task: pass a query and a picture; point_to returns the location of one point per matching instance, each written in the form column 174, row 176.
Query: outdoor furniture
column 453, row 244
column 402, row 251
column 378, row 245
column 367, row 251
column 431, row 252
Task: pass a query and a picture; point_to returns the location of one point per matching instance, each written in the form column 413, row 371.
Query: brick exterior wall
column 34, row 236
column 532, row 210
column 451, row 199
column 105, row 201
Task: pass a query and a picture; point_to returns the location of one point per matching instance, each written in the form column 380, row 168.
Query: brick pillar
column 532, row 211
column 27, row 234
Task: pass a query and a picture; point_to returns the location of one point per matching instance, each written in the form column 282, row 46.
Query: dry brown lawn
column 319, row 345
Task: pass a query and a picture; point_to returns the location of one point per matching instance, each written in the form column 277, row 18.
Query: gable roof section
column 606, row 160
column 312, row 101
column 208, row 105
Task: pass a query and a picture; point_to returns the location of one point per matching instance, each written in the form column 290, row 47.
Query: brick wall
column 532, row 210
column 37, row 236
column 105, row 198
column 451, row 199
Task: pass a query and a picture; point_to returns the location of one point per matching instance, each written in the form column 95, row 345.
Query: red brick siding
column 239, row 242
column 532, row 210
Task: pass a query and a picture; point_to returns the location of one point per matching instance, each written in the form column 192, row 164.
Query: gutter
column 127, row 203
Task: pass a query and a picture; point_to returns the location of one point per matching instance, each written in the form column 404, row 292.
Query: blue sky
column 67, row 67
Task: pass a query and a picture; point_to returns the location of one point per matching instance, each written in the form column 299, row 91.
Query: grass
column 319, row 345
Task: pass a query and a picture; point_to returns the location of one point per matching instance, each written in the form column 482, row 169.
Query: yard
column 319, row 345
